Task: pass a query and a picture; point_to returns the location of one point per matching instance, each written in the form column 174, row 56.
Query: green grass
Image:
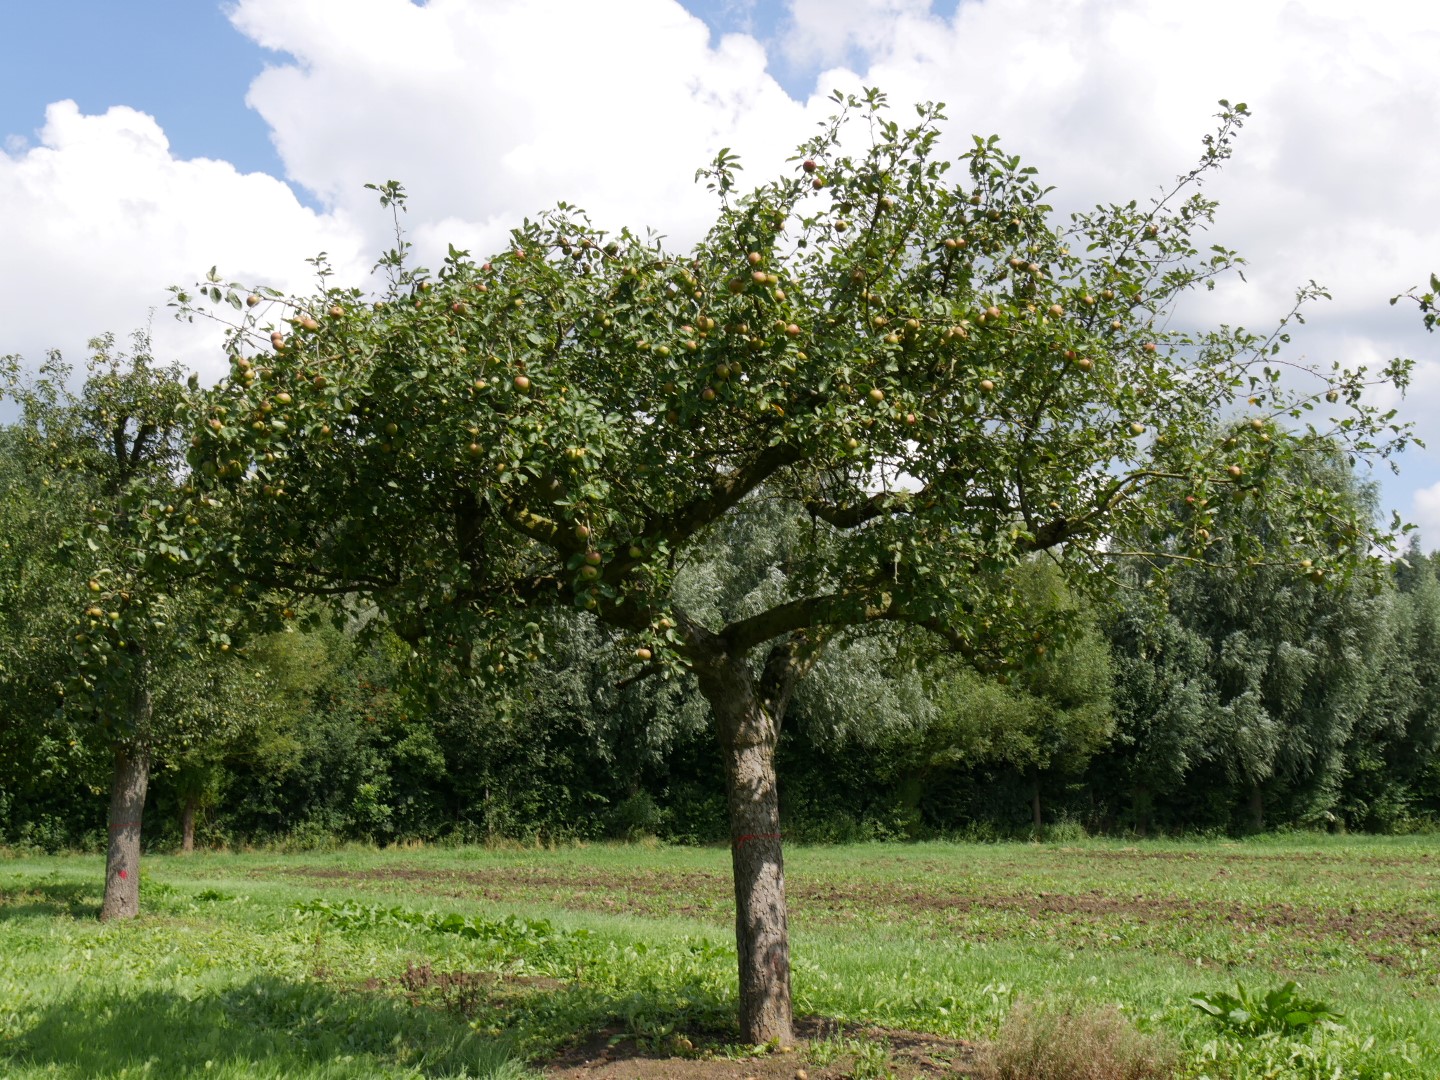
column 224, row 976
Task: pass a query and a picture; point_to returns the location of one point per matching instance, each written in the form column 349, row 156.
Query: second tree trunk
column 747, row 736
column 187, row 824
column 122, row 860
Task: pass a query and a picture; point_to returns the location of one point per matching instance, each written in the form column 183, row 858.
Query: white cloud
column 99, row 218
column 1425, row 513
column 829, row 31
column 492, row 111
column 1332, row 178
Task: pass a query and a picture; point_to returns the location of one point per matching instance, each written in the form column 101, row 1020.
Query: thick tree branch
column 532, row 525
column 884, row 503
column 1053, row 533
column 832, row 612
column 789, row 661
column 722, row 493
column 878, row 505
column 470, row 514
column 647, row 671
column 139, row 447
column 811, row 612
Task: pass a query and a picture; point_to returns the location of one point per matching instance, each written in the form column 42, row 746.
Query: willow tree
column 940, row 376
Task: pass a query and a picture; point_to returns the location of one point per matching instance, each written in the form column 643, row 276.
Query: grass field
column 410, row 965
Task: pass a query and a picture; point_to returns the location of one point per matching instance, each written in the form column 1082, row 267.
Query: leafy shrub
column 637, row 816
column 1063, row 831
column 1282, row 1010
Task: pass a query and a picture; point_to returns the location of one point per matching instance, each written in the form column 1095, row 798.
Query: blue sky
column 183, row 63
column 178, row 60
column 492, row 109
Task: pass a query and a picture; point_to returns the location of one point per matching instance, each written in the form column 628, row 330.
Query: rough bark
column 122, row 862
column 128, row 784
column 747, row 734
column 187, row 824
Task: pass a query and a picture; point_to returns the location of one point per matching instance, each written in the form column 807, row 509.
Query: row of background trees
column 1219, row 703
column 840, row 486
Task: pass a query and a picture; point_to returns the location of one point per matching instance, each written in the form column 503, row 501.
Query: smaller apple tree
column 135, row 671
column 936, row 375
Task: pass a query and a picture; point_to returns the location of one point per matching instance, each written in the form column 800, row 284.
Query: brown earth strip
column 624, row 893
column 612, row 1055
column 909, row 1054
column 1140, row 855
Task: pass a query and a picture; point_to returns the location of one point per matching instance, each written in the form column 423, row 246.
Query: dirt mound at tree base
column 826, row 1050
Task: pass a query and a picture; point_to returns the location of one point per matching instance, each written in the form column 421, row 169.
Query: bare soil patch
column 907, row 1054
column 1135, row 854
column 696, row 893
column 825, row 1049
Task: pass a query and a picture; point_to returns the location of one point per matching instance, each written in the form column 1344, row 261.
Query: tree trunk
column 187, row 824
column 748, row 733
column 1257, row 808
column 127, row 804
column 1036, row 818
column 122, row 861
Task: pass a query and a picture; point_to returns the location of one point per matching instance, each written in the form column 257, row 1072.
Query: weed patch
column 1081, row 1044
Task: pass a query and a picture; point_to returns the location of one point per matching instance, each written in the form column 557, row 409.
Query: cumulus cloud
column 614, row 107
column 491, row 111
column 99, row 218
column 838, row 31
column 1332, row 178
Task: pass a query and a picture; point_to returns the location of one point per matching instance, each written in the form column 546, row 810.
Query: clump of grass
column 1090, row 1044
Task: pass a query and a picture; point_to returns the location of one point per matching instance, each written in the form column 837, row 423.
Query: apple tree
column 938, row 376
column 1426, row 301
column 138, row 676
column 45, row 765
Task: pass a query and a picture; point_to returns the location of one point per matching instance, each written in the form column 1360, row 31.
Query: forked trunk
column 122, row 861
column 748, row 734
column 187, row 824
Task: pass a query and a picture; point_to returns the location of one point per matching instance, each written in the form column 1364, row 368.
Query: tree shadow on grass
column 49, row 900
column 655, row 1011
column 264, row 1027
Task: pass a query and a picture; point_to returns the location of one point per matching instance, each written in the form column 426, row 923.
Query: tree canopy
column 937, row 379
column 111, row 615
